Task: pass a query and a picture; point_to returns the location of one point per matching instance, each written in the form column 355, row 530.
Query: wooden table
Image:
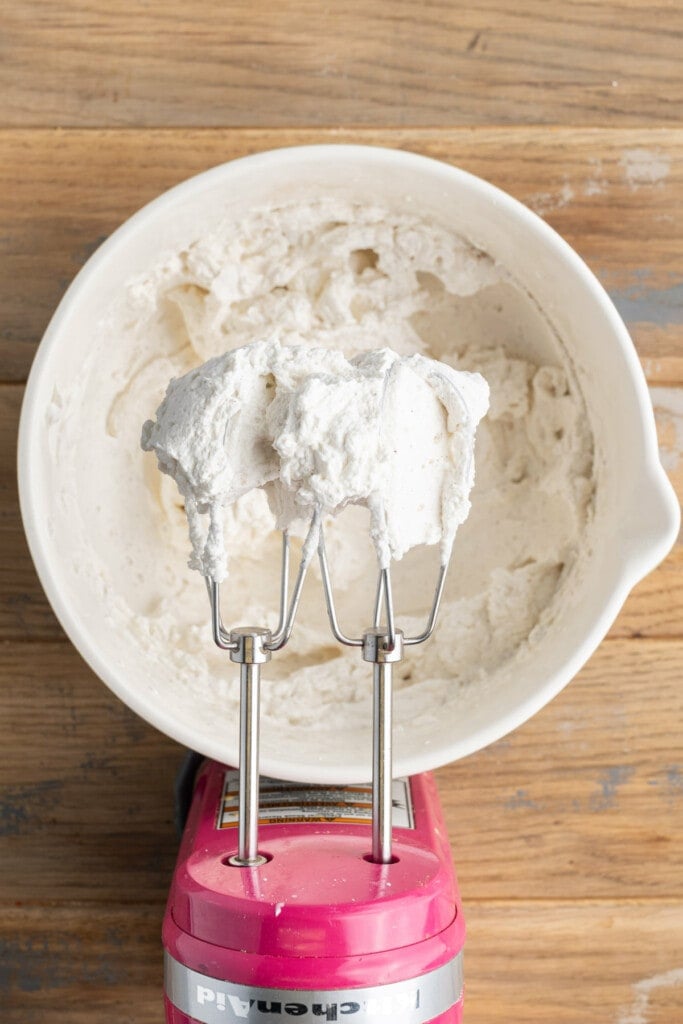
column 568, row 834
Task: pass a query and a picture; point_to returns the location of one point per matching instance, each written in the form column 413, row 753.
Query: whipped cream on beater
column 319, row 432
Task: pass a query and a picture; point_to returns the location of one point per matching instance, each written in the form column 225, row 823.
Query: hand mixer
column 315, row 916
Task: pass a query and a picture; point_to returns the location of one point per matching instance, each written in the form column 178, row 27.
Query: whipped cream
column 319, row 432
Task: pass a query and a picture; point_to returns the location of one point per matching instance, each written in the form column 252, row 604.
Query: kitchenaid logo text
column 243, row 1009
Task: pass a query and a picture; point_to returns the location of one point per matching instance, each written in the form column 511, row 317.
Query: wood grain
column 603, row 963
column 584, row 801
column 24, row 609
column 616, row 196
column 297, row 63
column 87, row 786
column 610, row 962
column 76, row 965
column 655, row 606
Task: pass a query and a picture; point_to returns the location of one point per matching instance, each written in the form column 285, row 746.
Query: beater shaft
column 250, row 647
column 247, row 844
column 382, row 648
column 251, row 650
column 382, row 763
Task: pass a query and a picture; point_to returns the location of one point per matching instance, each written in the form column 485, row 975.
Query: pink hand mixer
column 324, row 903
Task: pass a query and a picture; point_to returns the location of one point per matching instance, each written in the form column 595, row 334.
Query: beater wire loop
column 286, row 623
column 383, row 600
column 329, row 598
column 433, row 615
column 385, row 597
column 287, row 612
column 221, row 637
column 284, row 583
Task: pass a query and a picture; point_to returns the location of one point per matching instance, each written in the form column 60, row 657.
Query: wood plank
column 655, row 606
column 615, row 194
column 87, row 786
column 582, row 802
column 83, row 63
column 24, row 609
column 654, row 609
column 82, row 966
column 606, row 963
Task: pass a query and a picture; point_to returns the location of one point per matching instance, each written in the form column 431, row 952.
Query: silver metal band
column 415, row 1001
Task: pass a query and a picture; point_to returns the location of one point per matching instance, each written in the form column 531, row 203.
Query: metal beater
column 250, row 647
column 382, row 645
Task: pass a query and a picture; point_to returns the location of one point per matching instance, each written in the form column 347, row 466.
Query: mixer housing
column 320, row 931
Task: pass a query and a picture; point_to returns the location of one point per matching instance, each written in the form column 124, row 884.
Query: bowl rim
column 657, row 532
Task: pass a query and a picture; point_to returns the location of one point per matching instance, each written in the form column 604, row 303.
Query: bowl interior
column 636, row 516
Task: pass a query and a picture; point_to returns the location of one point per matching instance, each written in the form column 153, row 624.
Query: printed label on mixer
column 290, row 802
column 208, row 1000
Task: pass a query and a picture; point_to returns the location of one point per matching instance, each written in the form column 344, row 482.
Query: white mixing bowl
column 637, row 514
